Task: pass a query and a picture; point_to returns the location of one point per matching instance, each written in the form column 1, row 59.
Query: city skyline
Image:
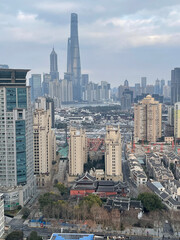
column 143, row 37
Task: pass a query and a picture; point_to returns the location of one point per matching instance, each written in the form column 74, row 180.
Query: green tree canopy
column 62, row 189
column 15, row 235
column 91, row 200
column 150, row 201
column 34, row 236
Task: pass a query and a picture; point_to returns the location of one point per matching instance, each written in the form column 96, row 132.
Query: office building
column 126, row 102
column 175, row 86
column 126, row 83
column 2, row 220
column 143, row 84
column 36, row 89
column 54, row 66
column 157, row 87
column 147, row 120
column 77, row 151
column 4, row 66
column 44, row 146
column 17, row 181
column 45, row 84
column 137, row 89
column 177, row 120
column 113, row 161
column 73, row 58
column 162, row 86
column 46, row 103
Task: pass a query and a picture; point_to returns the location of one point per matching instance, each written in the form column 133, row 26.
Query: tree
column 62, row 189
column 25, row 212
column 91, row 200
column 34, row 236
column 15, row 235
column 150, row 201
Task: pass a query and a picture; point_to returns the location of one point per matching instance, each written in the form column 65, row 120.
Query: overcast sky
column 119, row 39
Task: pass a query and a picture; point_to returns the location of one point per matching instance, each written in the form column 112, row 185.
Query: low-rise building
column 137, row 173
column 88, row 184
column 164, row 195
column 156, row 169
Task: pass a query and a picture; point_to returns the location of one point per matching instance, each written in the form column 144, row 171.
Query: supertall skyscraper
column 17, row 180
column 73, row 58
column 54, row 66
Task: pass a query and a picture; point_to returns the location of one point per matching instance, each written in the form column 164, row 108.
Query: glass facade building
column 17, row 179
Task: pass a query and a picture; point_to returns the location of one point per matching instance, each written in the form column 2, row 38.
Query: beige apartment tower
column 113, row 161
column 44, row 141
column 77, row 151
column 147, row 120
column 177, row 120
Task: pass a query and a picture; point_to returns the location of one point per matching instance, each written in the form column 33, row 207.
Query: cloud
column 57, row 7
column 26, row 17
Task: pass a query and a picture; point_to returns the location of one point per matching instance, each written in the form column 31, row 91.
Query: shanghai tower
column 73, row 58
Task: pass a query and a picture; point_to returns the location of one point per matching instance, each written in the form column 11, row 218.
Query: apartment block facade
column 113, row 161
column 44, row 141
column 77, row 151
column 147, row 120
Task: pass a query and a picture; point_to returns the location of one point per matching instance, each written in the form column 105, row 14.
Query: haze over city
column 118, row 39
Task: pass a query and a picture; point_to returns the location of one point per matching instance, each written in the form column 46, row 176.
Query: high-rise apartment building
column 147, row 120
column 17, row 180
column 143, row 84
column 44, row 146
column 175, row 86
column 113, row 161
column 2, row 220
column 77, row 151
column 66, row 91
column 177, row 120
column 55, row 92
column 73, row 61
column 54, row 66
column 46, row 103
column 36, row 89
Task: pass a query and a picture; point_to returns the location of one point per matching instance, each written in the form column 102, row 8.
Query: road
column 60, row 176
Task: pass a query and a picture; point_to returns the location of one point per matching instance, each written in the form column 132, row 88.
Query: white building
column 113, row 161
column 1, row 214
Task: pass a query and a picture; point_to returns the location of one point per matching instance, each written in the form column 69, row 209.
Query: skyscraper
column 147, row 120
column 113, row 162
column 143, row 84
column 54, row 66
column 17, row 181
column 45, row 84
column 36, row 89
column 73, row 58
column 175, row 86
